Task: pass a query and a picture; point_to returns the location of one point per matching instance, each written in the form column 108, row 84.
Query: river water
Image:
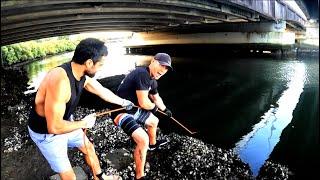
column 262, row 108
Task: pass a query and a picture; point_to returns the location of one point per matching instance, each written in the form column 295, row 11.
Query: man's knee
column 144, row 140
column 90, row 147
column 117, row 119
column 128, row 124
column 141, row 138
column 68, row 174
column 152, row 121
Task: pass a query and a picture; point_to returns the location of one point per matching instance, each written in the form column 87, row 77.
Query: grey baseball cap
column 163, row 59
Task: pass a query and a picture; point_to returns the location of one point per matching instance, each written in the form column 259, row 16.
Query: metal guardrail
column 274, row 9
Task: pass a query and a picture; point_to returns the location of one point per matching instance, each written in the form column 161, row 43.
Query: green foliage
column 30, row 50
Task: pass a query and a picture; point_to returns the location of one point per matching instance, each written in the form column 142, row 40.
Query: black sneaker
column 158, row 144
column 142, row 178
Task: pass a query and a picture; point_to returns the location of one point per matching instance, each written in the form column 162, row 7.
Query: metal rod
column 119, row 109
column 110, row 111
column 178, row 123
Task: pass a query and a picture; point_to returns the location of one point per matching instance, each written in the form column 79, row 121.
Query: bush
column 30, row 50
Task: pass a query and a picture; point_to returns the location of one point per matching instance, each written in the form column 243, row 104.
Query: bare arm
column 55, row 105
column 143, row 99
column 158, row 101
column 95, row 87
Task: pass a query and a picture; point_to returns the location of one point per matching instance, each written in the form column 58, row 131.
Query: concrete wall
column 312, row 34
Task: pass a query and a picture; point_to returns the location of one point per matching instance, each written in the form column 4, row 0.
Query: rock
column 272, row 170
column 119, row 158
column 80, row 174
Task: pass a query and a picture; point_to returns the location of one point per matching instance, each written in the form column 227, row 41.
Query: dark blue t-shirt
column 138, row 79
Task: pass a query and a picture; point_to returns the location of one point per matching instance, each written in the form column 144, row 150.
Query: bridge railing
column 273, row 9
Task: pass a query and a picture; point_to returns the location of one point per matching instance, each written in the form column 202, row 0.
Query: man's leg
column 93, row 161
column 91, row 157
column 133, row 129
column 67, row 175
column 150, row 121
column 140, row 152
column 151, row 125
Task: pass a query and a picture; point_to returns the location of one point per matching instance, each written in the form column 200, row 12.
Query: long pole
column 191, row 132
column 108, row 112
column 119, row 109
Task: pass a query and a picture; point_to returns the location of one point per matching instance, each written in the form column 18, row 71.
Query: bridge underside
column 280, row 38
column 30, row 20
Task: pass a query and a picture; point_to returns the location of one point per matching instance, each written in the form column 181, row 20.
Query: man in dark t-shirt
column 139, row 79
column 140, row 87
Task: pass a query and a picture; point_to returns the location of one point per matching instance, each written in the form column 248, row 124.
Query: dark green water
column 264, row 109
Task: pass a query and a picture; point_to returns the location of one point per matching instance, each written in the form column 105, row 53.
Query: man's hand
column 127, row 104
column 90, row 120
column 168, row 112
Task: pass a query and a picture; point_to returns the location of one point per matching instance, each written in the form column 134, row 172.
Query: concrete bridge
column 156, row 21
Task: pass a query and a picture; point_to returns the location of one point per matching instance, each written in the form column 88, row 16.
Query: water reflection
column 255, row 147
column 38, row 69
column 117, row 63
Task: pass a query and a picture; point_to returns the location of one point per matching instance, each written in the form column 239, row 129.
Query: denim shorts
column 54, row 147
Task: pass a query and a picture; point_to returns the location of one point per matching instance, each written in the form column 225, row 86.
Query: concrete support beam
column 106, row 16
column 265, row 26
column 281, row 38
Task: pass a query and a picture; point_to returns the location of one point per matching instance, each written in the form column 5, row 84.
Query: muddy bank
column 183, row 158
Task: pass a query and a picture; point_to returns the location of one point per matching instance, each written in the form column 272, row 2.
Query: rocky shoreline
column 183, row 158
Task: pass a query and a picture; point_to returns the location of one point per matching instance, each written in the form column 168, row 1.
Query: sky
column 313, row 8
